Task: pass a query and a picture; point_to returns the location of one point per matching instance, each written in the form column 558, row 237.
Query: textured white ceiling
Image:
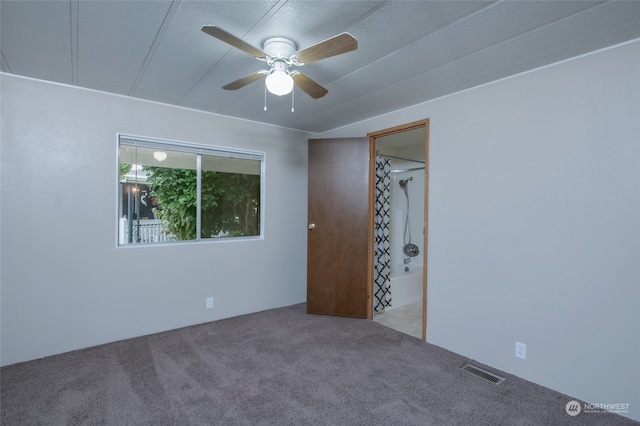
column 408, row 51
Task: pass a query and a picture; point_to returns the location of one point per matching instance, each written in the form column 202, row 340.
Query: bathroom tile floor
column 406, row 319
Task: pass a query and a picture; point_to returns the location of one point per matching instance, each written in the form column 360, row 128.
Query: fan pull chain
column 265, row 96
column 292, row 97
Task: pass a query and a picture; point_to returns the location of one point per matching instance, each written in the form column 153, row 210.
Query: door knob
column 312, row 226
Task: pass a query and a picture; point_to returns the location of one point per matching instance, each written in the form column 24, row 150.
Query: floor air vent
column 483, row 373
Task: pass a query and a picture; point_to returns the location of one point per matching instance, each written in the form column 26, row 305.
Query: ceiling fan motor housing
column 279, row 48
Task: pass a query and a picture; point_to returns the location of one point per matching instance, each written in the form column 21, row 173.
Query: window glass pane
column 230, row 197
column 170, row 191
column 158, row 194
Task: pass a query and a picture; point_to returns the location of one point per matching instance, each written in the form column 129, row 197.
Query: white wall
column 534, row 224
column 65, row 285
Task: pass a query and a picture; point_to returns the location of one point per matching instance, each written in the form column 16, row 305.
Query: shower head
column 403, row 183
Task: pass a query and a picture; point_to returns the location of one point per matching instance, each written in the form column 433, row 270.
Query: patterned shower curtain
column 382, row 273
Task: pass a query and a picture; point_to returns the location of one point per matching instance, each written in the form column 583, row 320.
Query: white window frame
column 198, row 149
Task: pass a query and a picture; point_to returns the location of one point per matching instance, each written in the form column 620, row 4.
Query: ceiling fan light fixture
column 279, row 83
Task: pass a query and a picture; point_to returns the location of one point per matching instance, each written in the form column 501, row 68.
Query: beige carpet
column 278, row 367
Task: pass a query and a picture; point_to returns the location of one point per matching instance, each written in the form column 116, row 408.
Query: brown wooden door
column 339, row 244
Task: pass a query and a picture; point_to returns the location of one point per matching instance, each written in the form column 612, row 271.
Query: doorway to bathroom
column 400, row 226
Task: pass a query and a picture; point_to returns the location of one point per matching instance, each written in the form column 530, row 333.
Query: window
column 183, row 192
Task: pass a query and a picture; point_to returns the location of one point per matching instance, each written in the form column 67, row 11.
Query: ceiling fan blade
column 240, row 83
column 308, row 86
column 342, row 43
column 234, row 41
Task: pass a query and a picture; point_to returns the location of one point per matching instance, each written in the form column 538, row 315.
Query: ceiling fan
column 281, row 56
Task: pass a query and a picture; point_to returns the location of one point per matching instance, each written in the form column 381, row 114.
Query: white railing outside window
column 144, row 231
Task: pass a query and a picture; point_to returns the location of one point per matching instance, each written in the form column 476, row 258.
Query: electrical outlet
column 209, row 302
column 521, row 350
